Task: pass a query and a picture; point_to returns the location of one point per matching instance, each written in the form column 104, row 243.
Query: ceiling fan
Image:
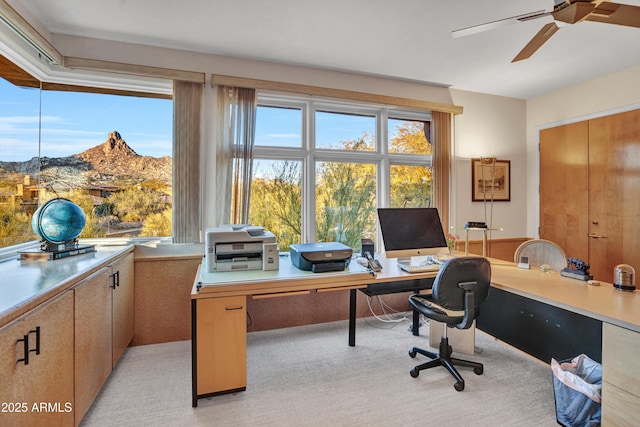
column 567, row 11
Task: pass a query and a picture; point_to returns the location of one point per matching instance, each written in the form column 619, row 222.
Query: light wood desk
column 219, row 320
column 218, row 310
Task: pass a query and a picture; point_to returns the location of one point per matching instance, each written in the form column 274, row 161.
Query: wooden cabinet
column 123, row 305
column 36, row 366
column 103, row 328
column 589, row 192
column 221, row 344
column 93, row 354
column 620, row 376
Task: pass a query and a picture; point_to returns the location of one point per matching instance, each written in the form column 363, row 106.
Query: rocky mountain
column 112, row 160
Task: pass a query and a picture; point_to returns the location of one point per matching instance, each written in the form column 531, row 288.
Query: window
column 109, row 154
column 322, row 168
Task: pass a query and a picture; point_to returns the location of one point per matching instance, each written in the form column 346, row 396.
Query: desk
column 218, row 312
column 219, row 320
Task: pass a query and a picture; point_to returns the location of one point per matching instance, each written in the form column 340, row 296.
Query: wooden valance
column 222, row 80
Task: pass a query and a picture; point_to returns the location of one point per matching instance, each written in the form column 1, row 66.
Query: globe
column 58, row 221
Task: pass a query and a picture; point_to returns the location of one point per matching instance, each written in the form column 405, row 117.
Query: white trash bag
column 577, row 386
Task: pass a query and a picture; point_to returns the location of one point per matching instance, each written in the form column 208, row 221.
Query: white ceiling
column 404, row 39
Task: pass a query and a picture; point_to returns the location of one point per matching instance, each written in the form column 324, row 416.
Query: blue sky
column 73, row 122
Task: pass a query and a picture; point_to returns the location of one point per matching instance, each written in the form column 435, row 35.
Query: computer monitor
column 408, row 232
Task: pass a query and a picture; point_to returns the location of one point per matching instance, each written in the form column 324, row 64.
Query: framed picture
column 490, row 180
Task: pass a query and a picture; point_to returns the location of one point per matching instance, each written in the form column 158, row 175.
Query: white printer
column 240, row 247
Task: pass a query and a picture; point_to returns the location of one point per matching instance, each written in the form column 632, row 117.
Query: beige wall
column 506, row 128
column 491, row 126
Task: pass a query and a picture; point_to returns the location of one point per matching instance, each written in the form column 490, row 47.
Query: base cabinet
column 620, row 376
column 221, row 341
column 103, row 328
column 36, row 366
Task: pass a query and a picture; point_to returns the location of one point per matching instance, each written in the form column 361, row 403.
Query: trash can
column 577, row 388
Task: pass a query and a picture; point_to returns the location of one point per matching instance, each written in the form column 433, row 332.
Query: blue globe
column 58, row 221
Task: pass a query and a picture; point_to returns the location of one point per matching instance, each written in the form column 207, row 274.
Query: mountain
column 112, row 160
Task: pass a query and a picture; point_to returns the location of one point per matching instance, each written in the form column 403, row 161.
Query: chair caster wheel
column 478, row 371
column 459, row 386
column 412, row 354
column 414, row 373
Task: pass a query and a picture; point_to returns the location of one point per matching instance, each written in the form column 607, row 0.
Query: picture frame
column 490, row 180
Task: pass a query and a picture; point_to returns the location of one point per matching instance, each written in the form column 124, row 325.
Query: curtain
column 235, row 125
column 187, row 104
column 441, row 164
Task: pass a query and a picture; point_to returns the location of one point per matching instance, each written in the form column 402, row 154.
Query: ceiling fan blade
column 537, row 41
column 499, row 23
column 614, row 13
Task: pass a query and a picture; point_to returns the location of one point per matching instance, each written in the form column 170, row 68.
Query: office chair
column 462, row 284
column 540, row 251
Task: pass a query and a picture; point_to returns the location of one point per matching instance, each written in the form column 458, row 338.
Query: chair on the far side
column 461, row 286
column 540, row 251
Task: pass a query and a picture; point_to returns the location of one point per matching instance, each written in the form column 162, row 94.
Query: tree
column 15, row 224
column 276, row 203
column 157, row 224
column 135, row 203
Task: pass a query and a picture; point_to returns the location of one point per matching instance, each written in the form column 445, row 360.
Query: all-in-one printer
column 240, row 247
column 320, row 257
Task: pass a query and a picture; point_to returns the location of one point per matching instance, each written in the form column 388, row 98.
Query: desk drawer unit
column 220, row 345
column 620, row 376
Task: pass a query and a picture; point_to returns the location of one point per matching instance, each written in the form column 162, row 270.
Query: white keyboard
column 418, row 268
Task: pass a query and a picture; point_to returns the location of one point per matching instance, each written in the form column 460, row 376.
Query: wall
column 606, row 95
column 472, row 134
column 491, row 126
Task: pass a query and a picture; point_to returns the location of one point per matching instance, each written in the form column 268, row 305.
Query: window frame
column 309, row 155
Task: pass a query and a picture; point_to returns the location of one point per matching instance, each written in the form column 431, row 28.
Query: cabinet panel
column 123, row 303
column 93, row 341
column 43, row 388
column 221, row 327
column 590, row 190
column 564, row 185
column 614, row 192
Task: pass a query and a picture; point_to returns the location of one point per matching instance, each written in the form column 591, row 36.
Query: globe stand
column 52, row 251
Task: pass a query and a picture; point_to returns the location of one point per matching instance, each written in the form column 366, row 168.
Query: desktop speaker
column 367, row 246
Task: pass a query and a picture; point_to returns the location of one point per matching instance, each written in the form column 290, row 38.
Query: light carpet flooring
column 309, row 376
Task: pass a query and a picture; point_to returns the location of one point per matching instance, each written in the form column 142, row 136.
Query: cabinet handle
column 112, row 280
column 118, row 278
column 25, row 341
column 37, row 332
column 596, row 236
column 233, row 308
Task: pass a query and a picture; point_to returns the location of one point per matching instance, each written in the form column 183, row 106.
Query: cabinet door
column 123, row 315
column 221, row 333
column 41, row 392
column 564, row 185
column 93, row 342
column 614, row 193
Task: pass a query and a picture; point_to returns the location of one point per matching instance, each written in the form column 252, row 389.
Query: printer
column 240, row 247
column 320, row 257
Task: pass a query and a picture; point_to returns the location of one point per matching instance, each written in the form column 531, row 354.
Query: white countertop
column 26, row 283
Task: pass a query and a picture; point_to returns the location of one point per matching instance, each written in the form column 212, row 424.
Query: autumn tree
column 276, row 203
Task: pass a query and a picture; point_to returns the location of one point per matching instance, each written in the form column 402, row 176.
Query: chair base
column 444, row 359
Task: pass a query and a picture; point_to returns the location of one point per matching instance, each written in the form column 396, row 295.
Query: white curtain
column 187, row 105
column 235, row 124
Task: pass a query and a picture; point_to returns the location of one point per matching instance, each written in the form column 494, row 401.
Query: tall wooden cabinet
column 590, row 191
column 36, row 366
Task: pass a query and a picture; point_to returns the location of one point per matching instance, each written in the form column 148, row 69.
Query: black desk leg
column 352, row 317
column 416, row 323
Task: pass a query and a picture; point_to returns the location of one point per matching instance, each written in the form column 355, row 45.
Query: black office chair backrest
column 446, row 290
